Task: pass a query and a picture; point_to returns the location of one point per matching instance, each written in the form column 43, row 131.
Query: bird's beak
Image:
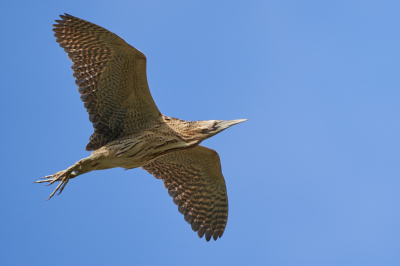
column 225, row 124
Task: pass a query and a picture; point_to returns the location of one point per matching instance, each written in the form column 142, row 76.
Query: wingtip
column 65, row 17
column 215, row 237
column 208, row 235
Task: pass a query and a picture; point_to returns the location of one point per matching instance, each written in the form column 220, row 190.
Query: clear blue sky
column 312, row 177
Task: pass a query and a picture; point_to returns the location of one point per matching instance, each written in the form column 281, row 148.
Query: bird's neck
column 183, row 130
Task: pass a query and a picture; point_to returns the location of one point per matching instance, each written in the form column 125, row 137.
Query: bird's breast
column 140, row 149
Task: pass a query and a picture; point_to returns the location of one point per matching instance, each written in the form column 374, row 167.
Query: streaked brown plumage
column 193, row 178
column 130, row 131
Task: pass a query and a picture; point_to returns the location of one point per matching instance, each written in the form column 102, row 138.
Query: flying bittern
column 130, row 131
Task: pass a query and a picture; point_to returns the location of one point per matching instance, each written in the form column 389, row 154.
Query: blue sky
column 312, row 177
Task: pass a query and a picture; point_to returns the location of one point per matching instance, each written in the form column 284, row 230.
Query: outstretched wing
column 112, row 80
column 194, row 180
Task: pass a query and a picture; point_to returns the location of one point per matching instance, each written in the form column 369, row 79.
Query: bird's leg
column 64, row 176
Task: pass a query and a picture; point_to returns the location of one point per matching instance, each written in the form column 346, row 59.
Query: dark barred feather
column 111, row 76
column 194, row 180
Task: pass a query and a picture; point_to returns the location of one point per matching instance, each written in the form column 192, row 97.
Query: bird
column 130, row 131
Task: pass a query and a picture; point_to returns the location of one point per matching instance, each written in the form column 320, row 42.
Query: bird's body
column 146, row 144
column 130, row 131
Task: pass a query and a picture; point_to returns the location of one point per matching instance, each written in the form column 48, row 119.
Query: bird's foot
column 62, row 176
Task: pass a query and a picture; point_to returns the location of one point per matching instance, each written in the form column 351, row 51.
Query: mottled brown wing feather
column 111, row 76
column 194, row 180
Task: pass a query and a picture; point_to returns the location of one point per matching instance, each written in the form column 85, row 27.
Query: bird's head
column 209, row 128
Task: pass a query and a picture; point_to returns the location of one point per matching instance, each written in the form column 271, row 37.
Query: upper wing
column 194, row 179
column 111, row 76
